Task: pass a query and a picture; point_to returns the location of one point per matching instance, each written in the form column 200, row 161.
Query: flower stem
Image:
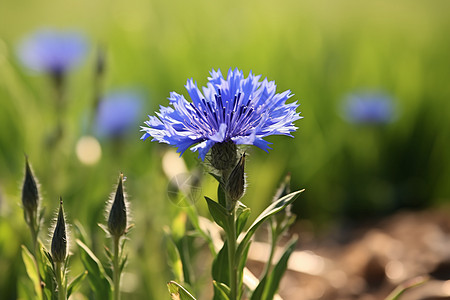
column 273, row 236
column 35, row 250
column 60, row 281
column 116, row 271
column 231, row 238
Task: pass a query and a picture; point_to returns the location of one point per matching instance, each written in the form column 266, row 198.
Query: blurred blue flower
column 118, row 112
column 237, row 109
column 369, row 108
column 52, row 51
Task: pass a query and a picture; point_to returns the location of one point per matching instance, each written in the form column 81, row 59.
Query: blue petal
column 220, row 135
column 203, row 148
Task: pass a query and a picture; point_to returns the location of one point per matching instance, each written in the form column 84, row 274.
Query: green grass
column 321, row 50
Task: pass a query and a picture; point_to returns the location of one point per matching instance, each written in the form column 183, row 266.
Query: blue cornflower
column 369, row 108
column 117, row 113
column 51, row 51
column 235, row 111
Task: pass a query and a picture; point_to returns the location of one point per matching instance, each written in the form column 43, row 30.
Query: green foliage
column 321, row 54
column 177, row 292
column 242, row 215
column 221, row 264
column 409, row 284
column 75, row 283
column 272, row 209
column 219, row 213
column 221, row 291
column 220, row 270
column 32, row 271
column 268, row 285
column 174, row 258
column 98, row 279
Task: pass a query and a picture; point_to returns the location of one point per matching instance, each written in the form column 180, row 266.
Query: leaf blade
column 272, row 209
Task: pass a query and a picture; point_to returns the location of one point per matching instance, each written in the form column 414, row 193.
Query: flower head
column 369, row 108
column 117, row 113
column 51, row 51
column 237, row 109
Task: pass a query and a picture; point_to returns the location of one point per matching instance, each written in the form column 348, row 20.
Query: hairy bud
column 224, row 155
column 117, row 220
column 235, row 186
column 30, row 194
column 59, row 240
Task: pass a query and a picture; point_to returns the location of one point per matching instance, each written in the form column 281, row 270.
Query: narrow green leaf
column 73, row 285
column 108, row 253
column 269, row 211
column 79, row 231
column 275, row 276
column 98, row 279
column 177, row 292
column 193, row 217
column 414, row 282
column 184, row 246
column 220, row 268
column 174, row 258
column 221, row 195
column 123, row 263
column 45, row 263
column 221, row 291
column 242, row 214
column 47, row 272
column 32, row 271
column 258, row 292
column 218, row 212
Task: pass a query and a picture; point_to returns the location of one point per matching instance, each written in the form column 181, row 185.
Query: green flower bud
column 30, row 194
column 117, row 220
column 59, row 240
column 235, row 185
column 224, row 155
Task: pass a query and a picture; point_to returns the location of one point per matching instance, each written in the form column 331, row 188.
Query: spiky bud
column 59, row 239
column 224, row 155
column 117, row 220
column 235, row 185
column 30, row 194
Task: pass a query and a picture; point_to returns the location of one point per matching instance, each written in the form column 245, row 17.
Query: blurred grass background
column 320, row 50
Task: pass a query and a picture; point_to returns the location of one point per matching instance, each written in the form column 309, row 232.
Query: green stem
column 35, row 250
column 34, row 234
column 60, row 281
column 273, row 244
column 116, row 271
column 231, row 238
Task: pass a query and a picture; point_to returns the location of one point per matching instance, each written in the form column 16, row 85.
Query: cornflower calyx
column 117, row 220
column 59, row 239
column 224, row 155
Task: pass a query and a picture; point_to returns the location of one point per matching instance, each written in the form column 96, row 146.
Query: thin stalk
column 116, row 271
column 231, row 237
column 60, row 281
column 33, row 229
column 273, row 243
column 35, row 251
